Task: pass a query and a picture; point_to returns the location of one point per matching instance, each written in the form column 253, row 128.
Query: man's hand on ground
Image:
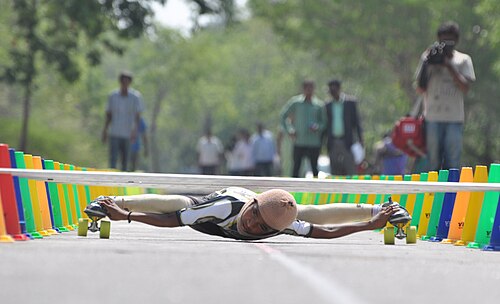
column 380, row 220
column 114, row 212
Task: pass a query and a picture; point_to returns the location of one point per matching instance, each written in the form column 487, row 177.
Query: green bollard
column 67, row 201
column 56, row 203
column 29, row 217
column 76, row 195
column 419, row 201
column 437, row 205
column 404, row 197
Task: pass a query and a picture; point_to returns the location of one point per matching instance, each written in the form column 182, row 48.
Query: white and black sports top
column 217, row 214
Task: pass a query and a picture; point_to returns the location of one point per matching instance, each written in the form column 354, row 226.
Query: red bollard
column 9, row 198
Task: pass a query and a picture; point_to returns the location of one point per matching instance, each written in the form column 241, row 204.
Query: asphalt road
column 142, row 264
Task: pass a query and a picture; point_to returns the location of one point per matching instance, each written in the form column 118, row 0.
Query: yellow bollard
column 410, row 202
column 425, row 216
column 473, row 208
column 43, row 199
column 62, row 200
column 35, row 200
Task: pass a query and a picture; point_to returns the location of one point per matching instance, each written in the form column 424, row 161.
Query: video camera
column 439, row 50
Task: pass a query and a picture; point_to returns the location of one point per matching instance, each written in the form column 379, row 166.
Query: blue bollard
column 447, row 209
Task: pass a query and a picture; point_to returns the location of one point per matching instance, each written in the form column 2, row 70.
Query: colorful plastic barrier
column 32, row 209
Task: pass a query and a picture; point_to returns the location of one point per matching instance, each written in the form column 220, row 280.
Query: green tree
column 55, row 30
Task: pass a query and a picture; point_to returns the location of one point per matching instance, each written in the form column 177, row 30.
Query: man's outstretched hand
column 380, row 220
column 114, row 212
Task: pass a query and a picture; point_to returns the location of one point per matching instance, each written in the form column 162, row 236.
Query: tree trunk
column 155, row 154
column 23, row 139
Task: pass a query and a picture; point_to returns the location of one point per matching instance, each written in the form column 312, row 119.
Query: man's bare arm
column 155, row 219
column 334, row 231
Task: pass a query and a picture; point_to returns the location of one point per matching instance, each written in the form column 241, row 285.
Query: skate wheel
column 389, row 235
column 83, row 226
column 411, row 235
column 105, row 229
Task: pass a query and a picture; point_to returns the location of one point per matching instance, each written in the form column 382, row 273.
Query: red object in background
column 408, row 135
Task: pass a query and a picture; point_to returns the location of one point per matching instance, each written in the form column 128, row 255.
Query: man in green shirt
column 303, row 119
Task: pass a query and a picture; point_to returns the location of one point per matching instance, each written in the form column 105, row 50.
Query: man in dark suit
column 342, row 127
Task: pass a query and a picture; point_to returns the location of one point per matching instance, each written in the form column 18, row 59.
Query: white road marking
column 327, row 288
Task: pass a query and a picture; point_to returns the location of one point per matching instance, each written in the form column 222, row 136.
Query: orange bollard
column 459, row 209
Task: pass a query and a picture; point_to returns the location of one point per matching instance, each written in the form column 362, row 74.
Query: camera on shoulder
column 439, row 50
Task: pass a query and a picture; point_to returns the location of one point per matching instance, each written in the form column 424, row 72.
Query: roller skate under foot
column 400, row 221
column 96, row 213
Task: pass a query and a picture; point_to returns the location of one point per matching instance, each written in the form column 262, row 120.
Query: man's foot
column 402, row 216
column 94, row 209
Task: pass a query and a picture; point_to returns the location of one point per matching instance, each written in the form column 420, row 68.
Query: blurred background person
column 123, row 114
column 263, row 151
column 389, row 160
column 303, row 119
column 210, row 152
column 343, row 129
column 444, row 76
column 140, row 142
column 242, row 163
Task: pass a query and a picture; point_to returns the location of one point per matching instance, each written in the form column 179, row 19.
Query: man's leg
column 453, row 145
column 433, row 138
column 298, row 153
column 335, row 213
column 153, row 203
column 313, row 155
column 336, row 158
column 124, row 149
column 113, row 151
column 349, row 164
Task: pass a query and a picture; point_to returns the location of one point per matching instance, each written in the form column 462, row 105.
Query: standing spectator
column 263, row 151
column 123, row 114
column 444, row 80
column 241, row 155
column 389, row 159
column 304, row 120
column 137, row 144
column 343, row 125
column 210, row 151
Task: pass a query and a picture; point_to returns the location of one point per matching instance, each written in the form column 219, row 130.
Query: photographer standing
column 443, row 77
